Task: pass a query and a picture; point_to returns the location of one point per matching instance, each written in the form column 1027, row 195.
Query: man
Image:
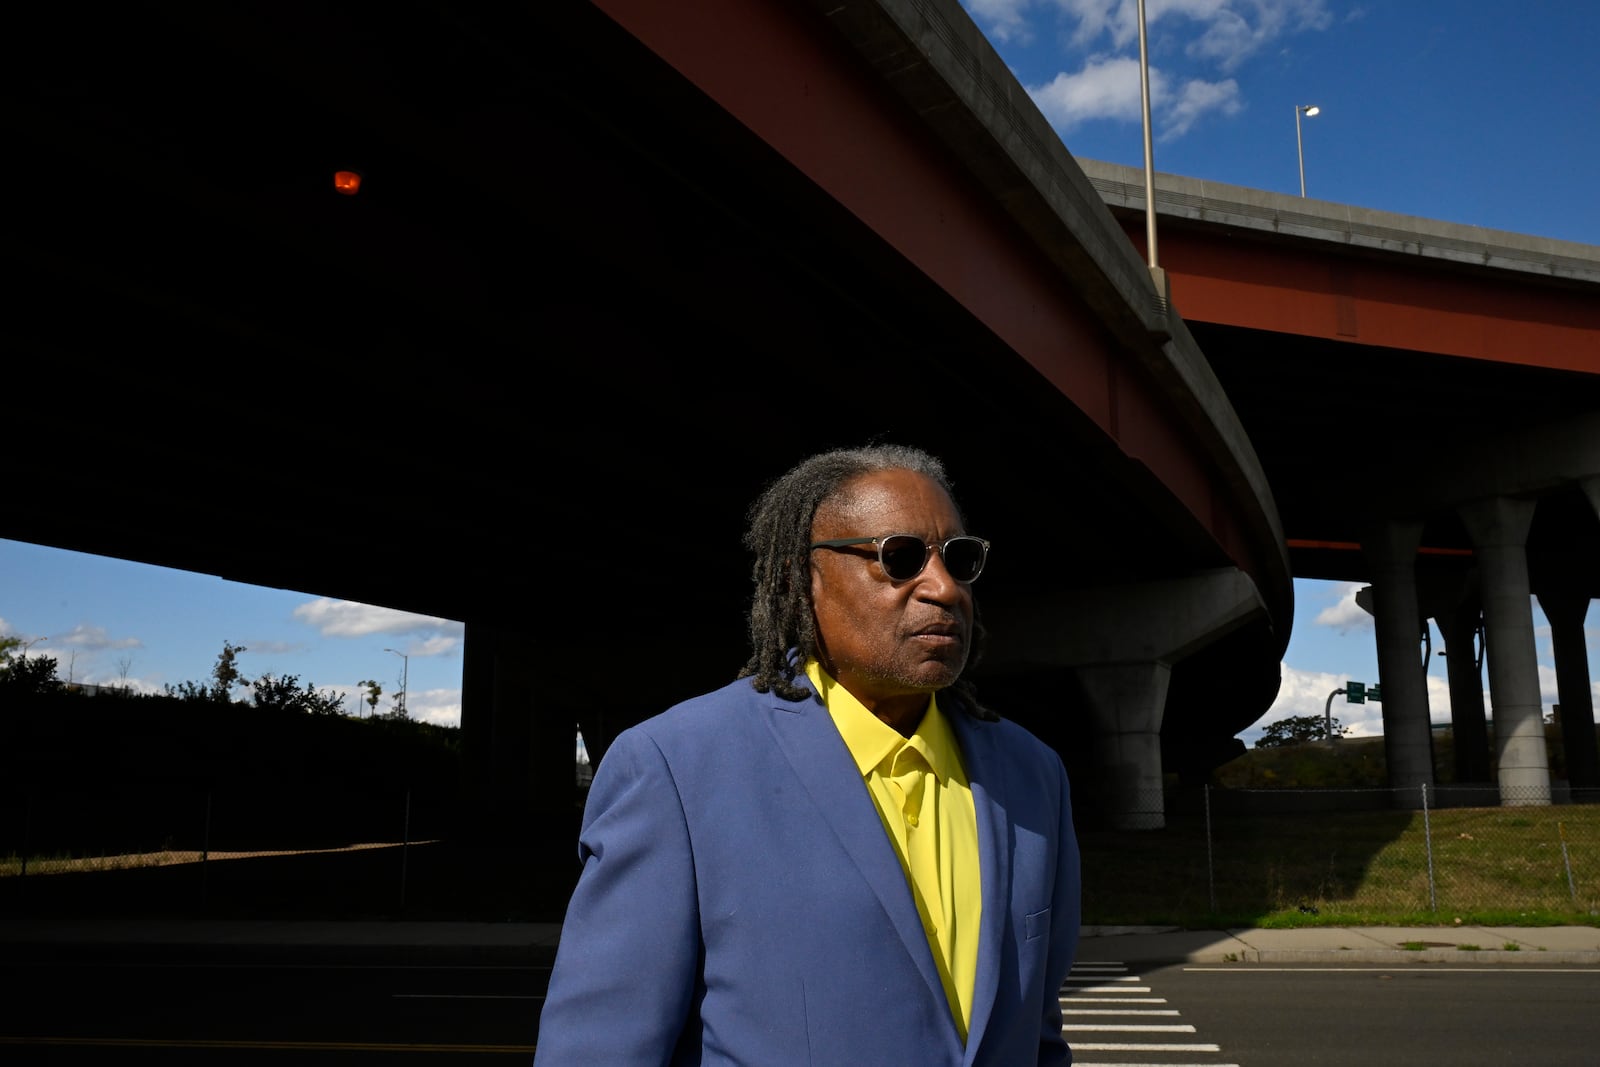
column 840, row 858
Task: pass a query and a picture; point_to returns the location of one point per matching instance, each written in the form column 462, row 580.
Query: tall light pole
column 1157, row 276
column 1149, row 157
column 1308, row 110
column 405, row 674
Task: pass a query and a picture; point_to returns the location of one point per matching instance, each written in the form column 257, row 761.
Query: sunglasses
column 903, row 556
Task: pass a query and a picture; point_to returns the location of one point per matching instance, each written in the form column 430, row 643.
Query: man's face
column 889, row 643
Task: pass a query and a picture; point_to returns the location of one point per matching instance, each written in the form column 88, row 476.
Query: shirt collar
column 873, row 742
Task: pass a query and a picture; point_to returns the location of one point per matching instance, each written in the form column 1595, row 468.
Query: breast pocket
column 1036, row 925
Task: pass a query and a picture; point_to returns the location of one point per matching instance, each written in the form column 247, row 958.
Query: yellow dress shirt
column 920, row 789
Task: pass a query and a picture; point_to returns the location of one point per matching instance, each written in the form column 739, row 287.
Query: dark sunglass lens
column 903, row 556
column 963, row 558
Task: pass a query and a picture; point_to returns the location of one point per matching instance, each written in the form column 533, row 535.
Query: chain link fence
column 1220, row 856
column 1241, row 856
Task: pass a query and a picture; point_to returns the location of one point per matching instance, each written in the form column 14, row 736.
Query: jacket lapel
column 817, row 754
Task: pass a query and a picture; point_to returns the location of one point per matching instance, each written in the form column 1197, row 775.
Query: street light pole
column 1149, row 160
column 405, row 674
column 1327, row 715
column 1299, row 147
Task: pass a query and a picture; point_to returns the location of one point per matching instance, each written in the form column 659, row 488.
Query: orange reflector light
column 347, row 182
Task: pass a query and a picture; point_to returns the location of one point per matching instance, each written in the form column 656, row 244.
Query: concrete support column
column 1121, row 642
column 1391, row 551
column 520, row 762
column 1459, row 625
column 1127, row 700
column 1499, row 531
column 1566, row 609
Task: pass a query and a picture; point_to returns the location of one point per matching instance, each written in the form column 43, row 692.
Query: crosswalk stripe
column 1128, row 1028
column 1107, row 978
column 1113, row 1046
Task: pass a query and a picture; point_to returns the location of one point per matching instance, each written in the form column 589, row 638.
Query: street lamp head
column 1308, row 109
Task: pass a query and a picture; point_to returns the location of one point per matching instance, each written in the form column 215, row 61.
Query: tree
column 124, row 666
column 1298, row 729
column 226, row 673
column 374, row 691
column 287, row 694
column 22, row 674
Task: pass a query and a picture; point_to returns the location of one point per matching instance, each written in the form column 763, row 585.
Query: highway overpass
column 615, row 264
column 1425, row 400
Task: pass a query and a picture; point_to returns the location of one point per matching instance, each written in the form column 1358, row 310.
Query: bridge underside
column 1425, row 400
column 532, row 375
column 1378, row 428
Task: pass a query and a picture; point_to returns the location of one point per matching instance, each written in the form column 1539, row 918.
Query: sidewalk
column 533, row 944
column 1386, row 945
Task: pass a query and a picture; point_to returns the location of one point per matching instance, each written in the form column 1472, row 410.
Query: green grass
column 1517, row 866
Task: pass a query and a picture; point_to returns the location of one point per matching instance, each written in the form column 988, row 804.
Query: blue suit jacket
column 741, row 903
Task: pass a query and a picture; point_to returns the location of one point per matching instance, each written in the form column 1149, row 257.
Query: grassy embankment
column 1489, row 865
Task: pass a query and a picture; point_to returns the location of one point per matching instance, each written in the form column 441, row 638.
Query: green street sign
column 1375, row 694
column 1355, row 692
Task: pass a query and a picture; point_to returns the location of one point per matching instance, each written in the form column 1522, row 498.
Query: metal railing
column 1220, row 855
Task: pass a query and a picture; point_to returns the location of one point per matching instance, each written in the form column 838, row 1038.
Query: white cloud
column 95, row 639
column 442, row 707
column 1105, row 88
column 1224, row 32
column 1308, row 693
column 273, row 648
column 1315, row 693
column 1193, row 102
column 435, row 645
column 1215, row 38
column 345, row 618
column 1094, row 17
column 1235, row 31
column 1344, row 614
column 1002, row 20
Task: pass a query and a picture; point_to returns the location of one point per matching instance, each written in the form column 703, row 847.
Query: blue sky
column 1479, row 112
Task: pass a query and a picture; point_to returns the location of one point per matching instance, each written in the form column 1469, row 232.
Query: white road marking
column 1129, row 1028
column 1112, row 1046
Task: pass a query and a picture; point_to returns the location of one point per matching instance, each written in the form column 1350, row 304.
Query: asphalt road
column 94, row 1011
column 85, row 1009
column 1344, row 1015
